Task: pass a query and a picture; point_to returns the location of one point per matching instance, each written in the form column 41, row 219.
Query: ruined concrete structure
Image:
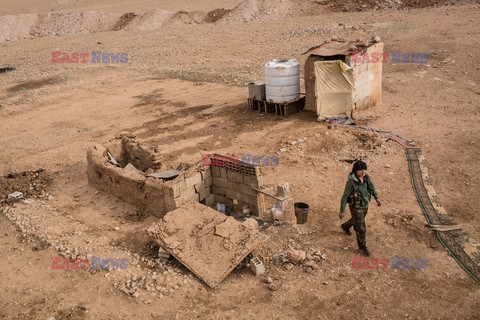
column 227, row 182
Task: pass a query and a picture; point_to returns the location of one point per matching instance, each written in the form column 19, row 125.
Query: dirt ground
column 184, row 91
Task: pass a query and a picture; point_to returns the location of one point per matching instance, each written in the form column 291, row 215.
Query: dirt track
column 183, row 90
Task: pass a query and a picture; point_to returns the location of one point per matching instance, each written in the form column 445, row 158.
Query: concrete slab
column 207, row 242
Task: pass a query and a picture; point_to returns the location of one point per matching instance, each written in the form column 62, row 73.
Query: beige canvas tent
column 335, row 92
column 336, row 84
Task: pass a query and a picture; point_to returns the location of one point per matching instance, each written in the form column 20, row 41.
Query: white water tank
column 282, row 80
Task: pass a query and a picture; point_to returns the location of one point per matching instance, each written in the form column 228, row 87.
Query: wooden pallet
column 279, row 109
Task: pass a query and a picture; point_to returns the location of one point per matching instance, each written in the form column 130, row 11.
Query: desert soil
column 184, row 91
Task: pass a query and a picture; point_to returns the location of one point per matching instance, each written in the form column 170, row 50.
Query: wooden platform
column 279, row 109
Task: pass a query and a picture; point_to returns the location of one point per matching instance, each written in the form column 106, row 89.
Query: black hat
column 359, row 165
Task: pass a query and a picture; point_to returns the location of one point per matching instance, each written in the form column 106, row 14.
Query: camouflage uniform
column 358, row 222
column 358, row 205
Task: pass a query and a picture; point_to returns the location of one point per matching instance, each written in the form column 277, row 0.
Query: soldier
column 358, row 191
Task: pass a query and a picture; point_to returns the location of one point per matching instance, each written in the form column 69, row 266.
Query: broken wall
column 134, row 186
column 130, row 185
column 195, row 187
column 229, row 183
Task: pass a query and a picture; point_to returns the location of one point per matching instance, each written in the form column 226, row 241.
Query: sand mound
column 57, row 24
column 124, row 20
column 264, row 10
column 185, row 17
column 215, row 15
column 366, row 5
column 150, row 20
column 14, row 27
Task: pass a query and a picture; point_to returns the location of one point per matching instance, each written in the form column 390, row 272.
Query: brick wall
column 195, row 187
column 233, row 180
column 368, row 79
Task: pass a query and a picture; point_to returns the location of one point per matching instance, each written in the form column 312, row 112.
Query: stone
column 171, row 189
column 199, row 187
column 257, row 266
column 223, row 173
column 206, row 174
column 193, row 180
column 203, row 194
column 310, row 264
column 272, row 287
column 296, row 256
column 162, row 254
column 220, row 182
column 15, row 195
column 215, row 172
column 283, row 190
column 189, row 195
column 210, row 200
column 234, row 176
column 208, row 182
column 251, row 223
column 221, row 191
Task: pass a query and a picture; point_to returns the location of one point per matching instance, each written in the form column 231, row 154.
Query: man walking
column 358, row 191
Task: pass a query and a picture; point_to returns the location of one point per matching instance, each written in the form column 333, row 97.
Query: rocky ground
column 183, row 91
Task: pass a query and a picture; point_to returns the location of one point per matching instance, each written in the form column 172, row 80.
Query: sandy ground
column 183, row 90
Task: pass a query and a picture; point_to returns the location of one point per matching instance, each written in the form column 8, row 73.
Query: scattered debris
column 320, row 254
column 221, row 207
column 112, row 159
column 251, row 224
column 272, row 287
column 28, row 201
column 257, row 266
column 376, row 39
column 15, row 195
column 163, row 254
column 166, row 175
column 296, row 256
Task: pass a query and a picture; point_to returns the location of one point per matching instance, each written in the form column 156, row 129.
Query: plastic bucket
column 301, row 212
